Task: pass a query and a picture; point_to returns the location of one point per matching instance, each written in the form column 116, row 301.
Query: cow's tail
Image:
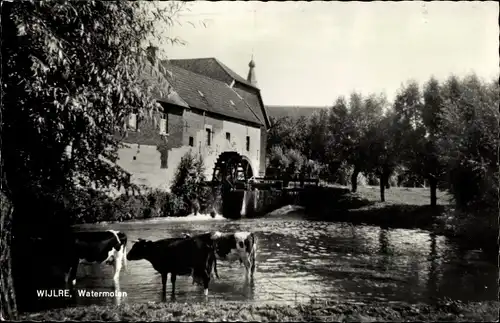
column 123, row 241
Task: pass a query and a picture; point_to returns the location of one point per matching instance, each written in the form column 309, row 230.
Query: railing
column 290, row 183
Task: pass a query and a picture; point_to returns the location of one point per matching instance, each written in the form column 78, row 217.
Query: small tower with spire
column 251, row 73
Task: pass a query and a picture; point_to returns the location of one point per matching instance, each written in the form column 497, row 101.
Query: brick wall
column 197, row 123
column 152, row 159
column 252, row 97
column 146, row 153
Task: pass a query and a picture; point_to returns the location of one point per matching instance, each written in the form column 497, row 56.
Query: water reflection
column 298, row 259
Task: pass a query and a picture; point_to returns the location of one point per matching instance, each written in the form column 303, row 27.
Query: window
column 163, row 159
column 209, row 136
column 228, row 136
column 132, row 121
column 191, row 141
column 248, row 143
column 164, row 124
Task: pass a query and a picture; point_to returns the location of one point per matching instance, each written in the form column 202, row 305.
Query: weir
column 243, row 195
column 260, row 196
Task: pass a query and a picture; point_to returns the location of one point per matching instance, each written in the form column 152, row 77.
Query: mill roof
column 211, row 92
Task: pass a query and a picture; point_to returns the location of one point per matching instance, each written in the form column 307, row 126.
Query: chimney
column 151, row 53
column 251, row 73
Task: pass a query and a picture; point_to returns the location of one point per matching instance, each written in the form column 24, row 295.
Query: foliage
column 361, row 123
column 188, row 179
column 443, row 135
column 470, row 120
column 90, row 206
column 77, row 69
column 288, row 133
column 277, row 159
column 318, row 136
column 290, row 162
column 72, row 72
column 338, row 133
column 173, row 206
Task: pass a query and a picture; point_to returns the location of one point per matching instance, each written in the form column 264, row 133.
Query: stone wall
column 152, row 159
column 197, row 125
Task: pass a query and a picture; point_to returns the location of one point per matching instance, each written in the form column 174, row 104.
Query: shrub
column 128, row 207
column 211, row 200
column 188, row 176
column 187, row 185
column 88, row 206
column 277, row 160
column 172, row 206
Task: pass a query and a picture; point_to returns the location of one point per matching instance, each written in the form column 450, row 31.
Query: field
column 338, row 312
column 403, row 207
column 401, row 195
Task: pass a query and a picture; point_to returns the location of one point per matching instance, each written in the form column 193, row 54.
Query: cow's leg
column 164, row 286
column 206, row 282
column 173, row 278
column 215, row 269
column 247, row 264
column 66, row 277
column 117, row 265
column 252, row 269
column 72, row 274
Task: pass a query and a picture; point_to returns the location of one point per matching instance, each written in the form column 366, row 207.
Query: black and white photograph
column 280, row 161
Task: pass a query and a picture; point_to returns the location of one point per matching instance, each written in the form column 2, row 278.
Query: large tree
column 380, row 146
column 469, row 145
column 430, row 165
column 71, row 74
column 337, row 137
column 417, row 129
column 365, row 114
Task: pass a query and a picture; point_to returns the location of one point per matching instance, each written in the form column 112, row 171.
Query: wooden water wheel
column 232, row 168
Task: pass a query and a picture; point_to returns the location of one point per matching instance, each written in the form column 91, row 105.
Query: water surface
column 300, row 259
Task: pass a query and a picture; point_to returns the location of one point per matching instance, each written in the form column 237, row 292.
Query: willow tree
column 71, row 74
column 365, row 115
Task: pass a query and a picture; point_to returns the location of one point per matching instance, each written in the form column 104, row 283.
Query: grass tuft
column 237, row 312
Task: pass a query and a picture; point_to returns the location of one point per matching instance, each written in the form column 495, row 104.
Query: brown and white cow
column 238, row 246
column 101, row 247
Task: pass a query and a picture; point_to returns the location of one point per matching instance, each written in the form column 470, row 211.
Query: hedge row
column 89, row 206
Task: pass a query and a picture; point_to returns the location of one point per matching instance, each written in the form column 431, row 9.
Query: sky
column 309, row 53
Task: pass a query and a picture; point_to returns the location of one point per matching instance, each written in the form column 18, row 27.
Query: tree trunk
column 7, row 293
column 354, row 179
column 382, row 188
column 433, row 186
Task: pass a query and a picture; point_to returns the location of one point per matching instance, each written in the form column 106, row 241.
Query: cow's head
column 139, row 249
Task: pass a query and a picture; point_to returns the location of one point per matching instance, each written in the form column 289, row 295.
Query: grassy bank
column 337, row 312
column 403, row 208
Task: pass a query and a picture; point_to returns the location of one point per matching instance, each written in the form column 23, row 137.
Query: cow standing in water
column 101, row 247
column 235, row 246
column 193, row 256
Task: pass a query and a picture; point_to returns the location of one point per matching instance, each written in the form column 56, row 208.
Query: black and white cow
column 189, row 256
column 98, row 247
column 235, row 246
